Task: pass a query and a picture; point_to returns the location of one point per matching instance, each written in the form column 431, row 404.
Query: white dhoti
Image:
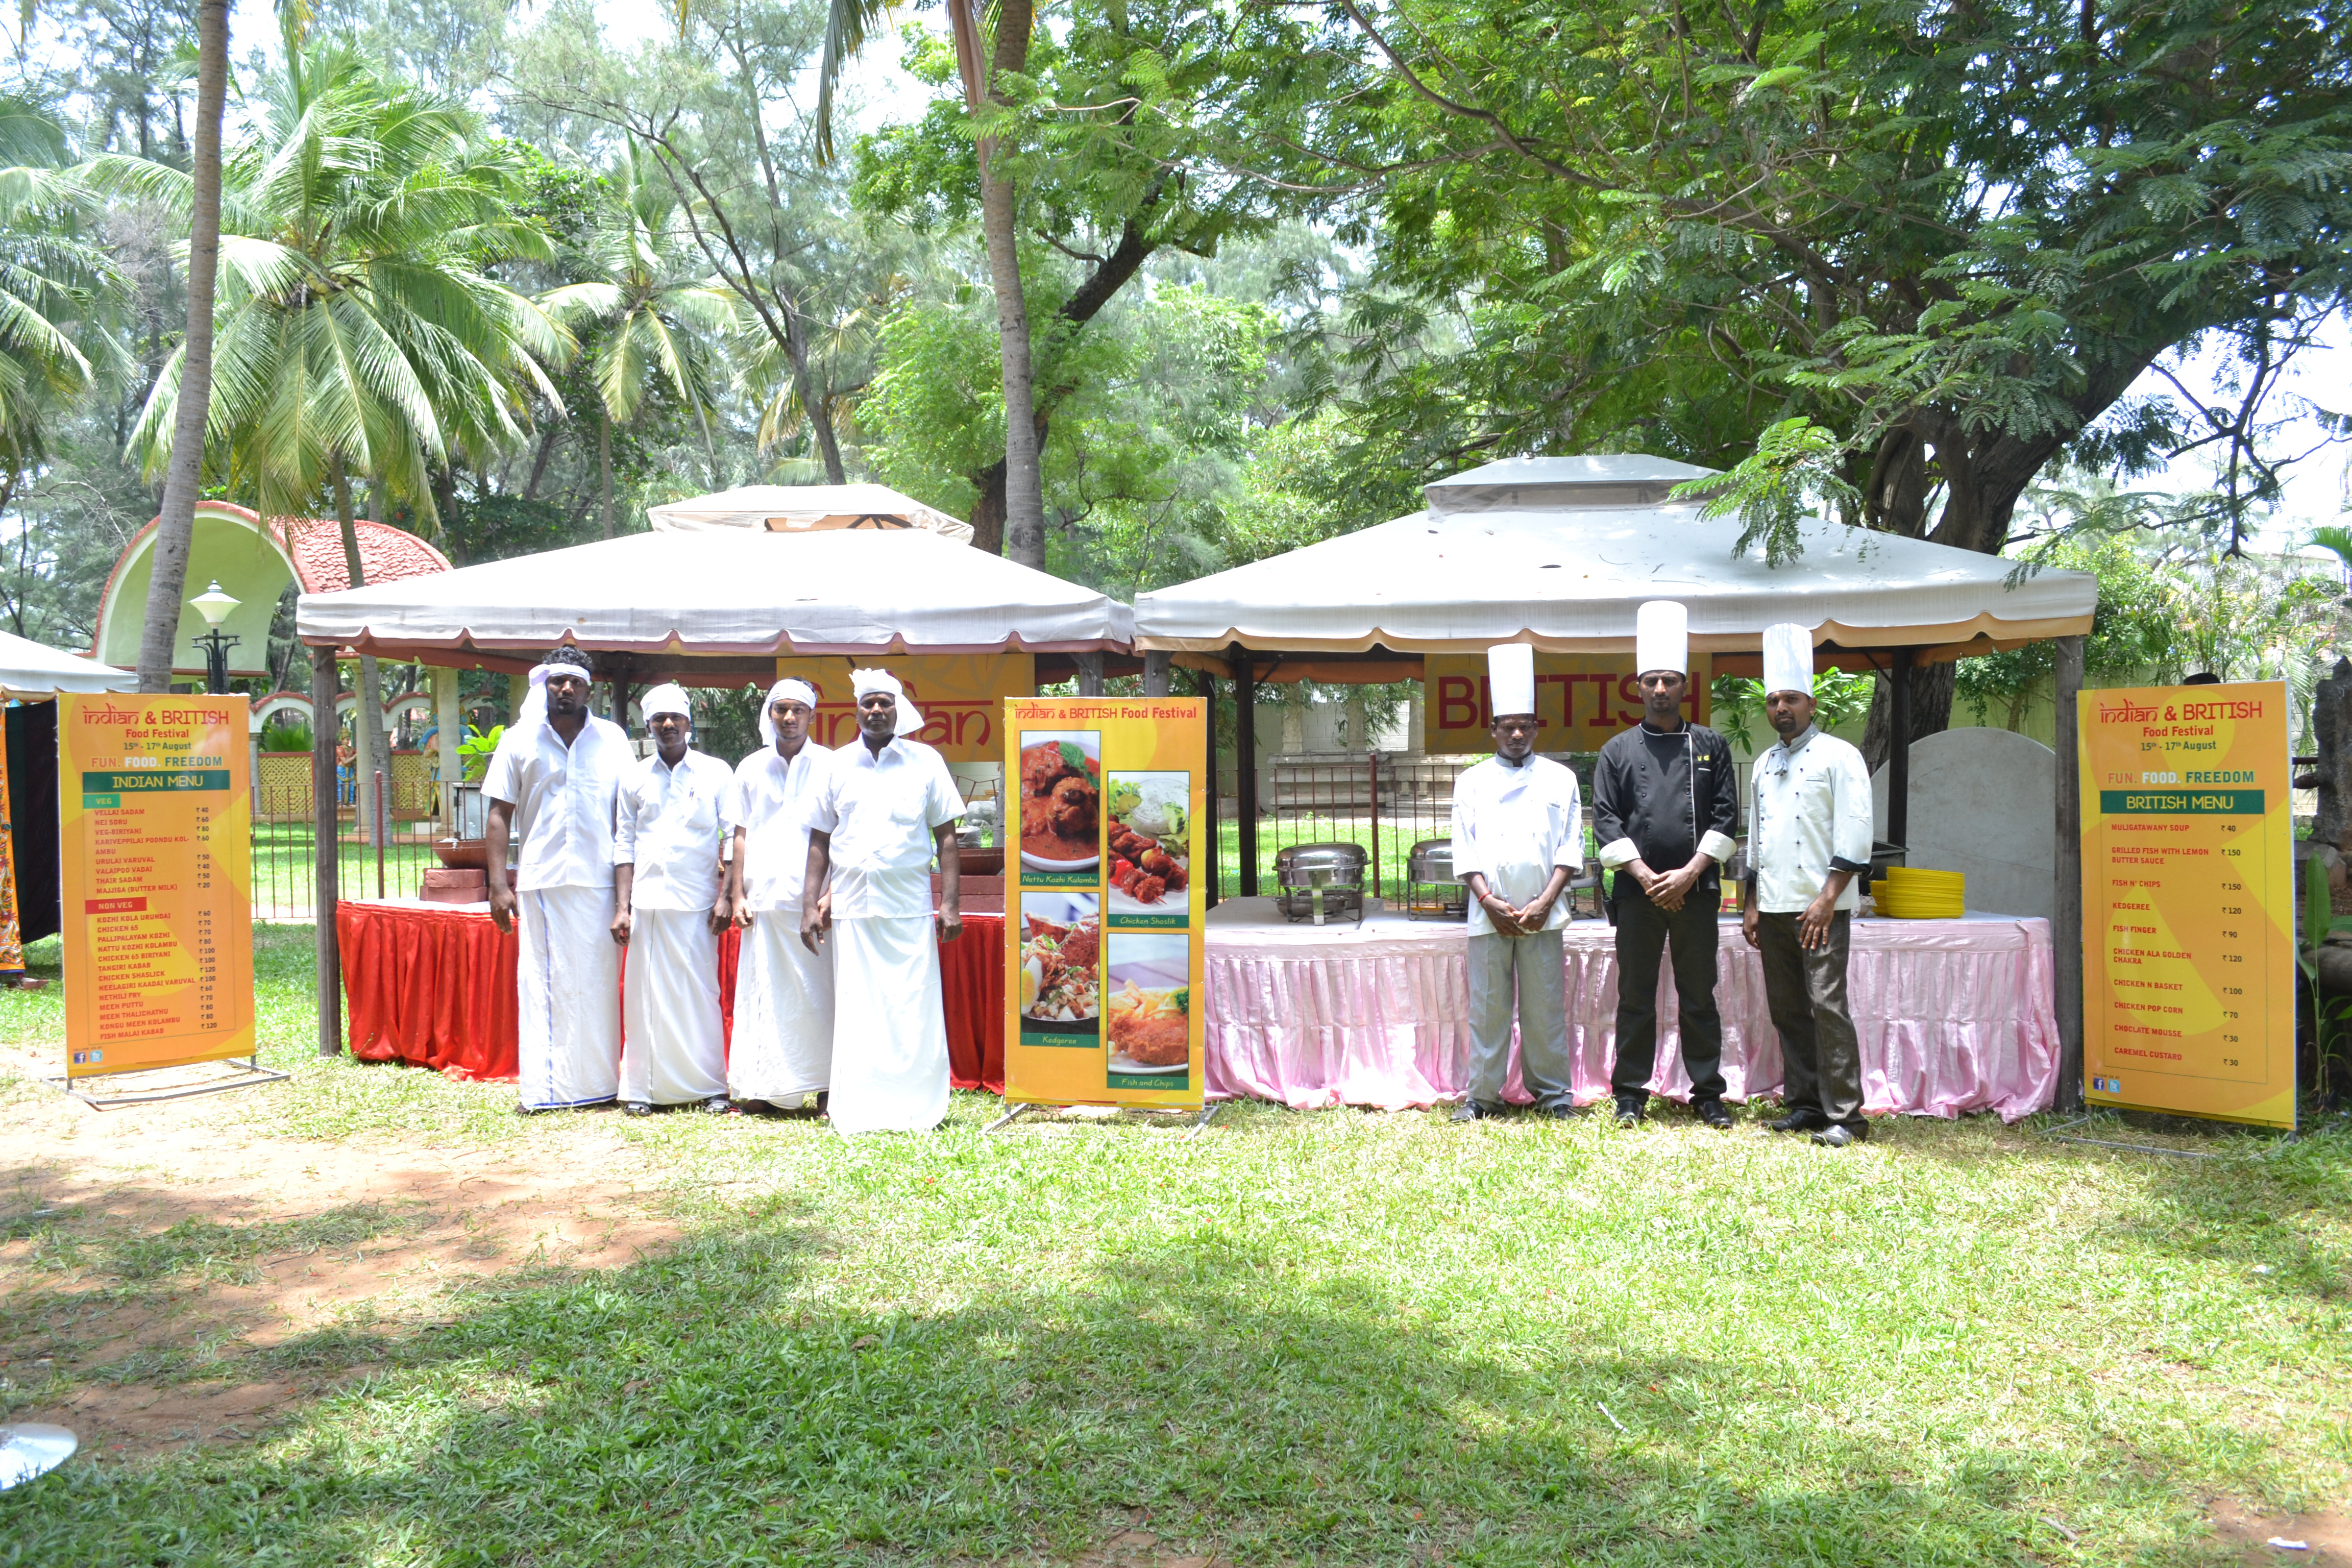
column 568, row 998
column 889, row 1026
column 673, row 1050
column 783, row 1012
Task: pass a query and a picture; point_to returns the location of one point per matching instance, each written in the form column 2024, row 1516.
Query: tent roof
column 1482, row 566
column 29, row 669
column 726, row 591
column 793, row 509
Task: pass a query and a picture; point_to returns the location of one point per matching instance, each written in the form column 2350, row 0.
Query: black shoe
column 1801, row 1120
column 1566, row 1112
column 1841, row 1136
column 1712, row 1112
column 1470, row 1110
column 636, row 1108
column 1630, row 1113
column 720, row 1105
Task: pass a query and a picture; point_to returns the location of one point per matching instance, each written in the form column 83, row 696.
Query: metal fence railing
column 386, row 863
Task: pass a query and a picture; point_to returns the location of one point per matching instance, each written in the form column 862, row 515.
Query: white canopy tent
column 802, row 508
column 1560, row 551
column 31, row 671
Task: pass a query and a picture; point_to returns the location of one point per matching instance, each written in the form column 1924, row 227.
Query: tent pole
column 1090, row 675
column 1205, row 685
column 1245, row 762
column 449, row 730
column 2067, row 908
column 323, row 732
column 1155, row 672
column 1898, row 750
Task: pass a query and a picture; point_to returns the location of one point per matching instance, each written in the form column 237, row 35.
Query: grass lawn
column 1337, row 1338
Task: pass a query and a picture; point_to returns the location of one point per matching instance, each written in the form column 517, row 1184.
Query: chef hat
column 862, row 681
column 799, row 692
column 1511, row 678
column 668, row 697
column 1787, row 658
column 1662, row 637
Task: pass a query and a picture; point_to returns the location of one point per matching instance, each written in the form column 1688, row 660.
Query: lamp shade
column 214, row 605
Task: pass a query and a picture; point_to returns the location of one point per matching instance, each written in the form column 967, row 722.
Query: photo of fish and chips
column 1061, row 801
column 1149, row 1008
column 1150, row 868
column 1061, row 970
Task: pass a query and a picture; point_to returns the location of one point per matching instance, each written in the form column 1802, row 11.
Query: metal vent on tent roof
column 806, row 509
column 1533, row 484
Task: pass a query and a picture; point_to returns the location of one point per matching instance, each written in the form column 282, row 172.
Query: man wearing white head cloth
column 784, row 992
column 1665, row 812
column 880, row 812
column 556, row 781
column 1519, row 835
column 669, row 895
column 1810, row 841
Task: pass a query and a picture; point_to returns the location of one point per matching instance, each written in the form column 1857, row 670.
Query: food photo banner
column 1582, row 699
column 2189, row 901
column 154, row 809
column 1103, row 928
column 961, row 698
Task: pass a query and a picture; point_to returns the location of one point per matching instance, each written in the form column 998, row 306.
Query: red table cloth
column 434, row 985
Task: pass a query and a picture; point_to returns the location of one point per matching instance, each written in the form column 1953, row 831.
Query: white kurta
column 568, row 970
column 783, row 993
column 673, row 1048
column 890, row 1027
column 567, row 984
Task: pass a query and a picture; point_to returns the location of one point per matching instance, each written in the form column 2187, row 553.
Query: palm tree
column 649, row 320
column 360, row 336
column 847, row 24
column 50, row 278
column 175, row 524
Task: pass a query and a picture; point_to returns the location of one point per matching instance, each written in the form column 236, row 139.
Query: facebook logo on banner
column 2106, row 1086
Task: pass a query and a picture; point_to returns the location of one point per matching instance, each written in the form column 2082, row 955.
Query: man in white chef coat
column 1809, row 838
column 1519, row 835
column 668, row 892
column 556, row 780
column 881, row 810
column 784, row 991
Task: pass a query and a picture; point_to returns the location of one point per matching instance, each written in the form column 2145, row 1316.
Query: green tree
column 360, row 337
column 53, row 280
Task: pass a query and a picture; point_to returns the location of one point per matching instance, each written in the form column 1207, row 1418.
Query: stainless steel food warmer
column 1432, row 891
column 1320, row 883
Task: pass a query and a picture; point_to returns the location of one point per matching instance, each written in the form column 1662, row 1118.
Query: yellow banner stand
column 1104, row 798
column 2189, row 973
column 155, row 815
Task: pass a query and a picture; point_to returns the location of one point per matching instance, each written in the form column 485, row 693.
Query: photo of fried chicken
column 1155, row 1039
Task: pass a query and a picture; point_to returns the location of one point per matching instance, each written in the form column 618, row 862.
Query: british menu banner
column 1102, row 908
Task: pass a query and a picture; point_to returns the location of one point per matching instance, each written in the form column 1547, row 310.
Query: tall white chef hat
column 1787, row 658
column 1511, row 678
column 799, row 690
column 862, row 681
column 1662, row 637
column 668, row 697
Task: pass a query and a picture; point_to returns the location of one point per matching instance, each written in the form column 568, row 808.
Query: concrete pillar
column 452, row 725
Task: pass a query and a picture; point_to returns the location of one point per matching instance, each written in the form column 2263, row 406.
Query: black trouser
column 1644, row 933
column 1820, row 1056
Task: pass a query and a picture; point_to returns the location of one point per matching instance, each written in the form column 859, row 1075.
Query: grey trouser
column 1534, row 966
column 1820, row 1058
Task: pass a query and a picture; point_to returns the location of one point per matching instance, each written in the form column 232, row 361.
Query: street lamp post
column 215, row 607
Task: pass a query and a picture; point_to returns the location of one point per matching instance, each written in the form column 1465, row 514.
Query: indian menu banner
column 961, row 696
column 2189, row 901
column 154, row 808
column 1102, row 907
column 1582, row 699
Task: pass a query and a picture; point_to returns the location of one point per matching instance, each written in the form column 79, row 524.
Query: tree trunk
column 604, row 465
column 184, row 477
column 367, row 720
column 1025, row 485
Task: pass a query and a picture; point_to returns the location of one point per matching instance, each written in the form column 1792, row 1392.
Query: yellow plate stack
column 1910, row 894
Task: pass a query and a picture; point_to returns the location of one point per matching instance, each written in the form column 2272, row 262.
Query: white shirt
column 669, row 828
column 1811, row 815
column 771, row 801
column 565, row 799
column 881, row 812
column 1513, row 826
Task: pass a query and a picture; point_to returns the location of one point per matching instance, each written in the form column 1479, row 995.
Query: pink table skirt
column 1953, row 1015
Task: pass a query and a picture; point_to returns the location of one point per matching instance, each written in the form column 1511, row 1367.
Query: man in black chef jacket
column 1666, row 807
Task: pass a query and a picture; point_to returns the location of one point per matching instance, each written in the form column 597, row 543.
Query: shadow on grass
column 726, row 1403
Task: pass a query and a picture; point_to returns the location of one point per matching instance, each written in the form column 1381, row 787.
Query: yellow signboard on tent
column 2189, row 975
column 1582, row 700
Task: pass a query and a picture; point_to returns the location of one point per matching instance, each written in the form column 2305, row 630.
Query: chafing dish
column 1321, row 881
column 1432, row 891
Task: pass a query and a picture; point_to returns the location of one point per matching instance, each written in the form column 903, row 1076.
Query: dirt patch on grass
column 2327, row 1537
column 166, row 1278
